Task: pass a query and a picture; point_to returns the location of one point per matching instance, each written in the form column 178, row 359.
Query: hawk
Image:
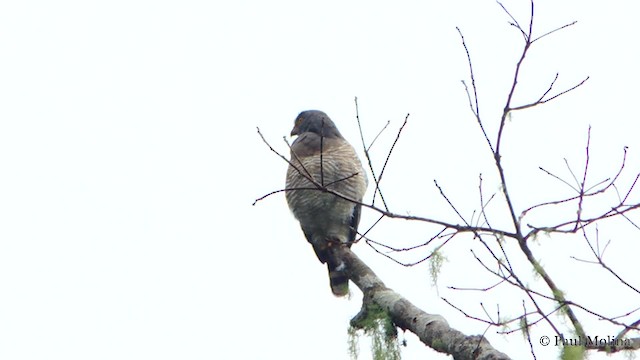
column 322, row 154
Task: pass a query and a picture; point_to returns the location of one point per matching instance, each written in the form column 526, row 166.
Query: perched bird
column 322, row 154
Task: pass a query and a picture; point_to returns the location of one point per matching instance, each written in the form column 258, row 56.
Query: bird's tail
column 338, row 280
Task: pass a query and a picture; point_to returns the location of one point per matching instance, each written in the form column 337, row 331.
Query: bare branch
column 515, row 22
column 542, row 101
column 449, row 202
column 478, row 289
column 554, row 30
column 366, row 154
column 484, row 205
column 410, row 264
column 474, row 109
column 588, row 192
column 566, row 91
column 321, row 154
column 526, row 329
column 584, row 177
column 599, row 259
column 557, row 178
column 394, row 249
column 433, row 330
column 377, row 136
column 386, row 161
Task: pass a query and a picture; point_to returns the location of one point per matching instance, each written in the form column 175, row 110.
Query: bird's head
column 317, row 122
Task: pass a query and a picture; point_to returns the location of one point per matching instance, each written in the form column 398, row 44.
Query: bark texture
column 433, row 330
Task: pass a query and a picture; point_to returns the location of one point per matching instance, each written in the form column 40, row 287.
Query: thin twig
column 321, row 153
column 386, row 161
column 543, row 101
column 554, row 30
column 557, row 178
column 474, row 109
column 515, row 22
column 376, row 180
column 526, row 330
column 377, row 136
column 449, row 202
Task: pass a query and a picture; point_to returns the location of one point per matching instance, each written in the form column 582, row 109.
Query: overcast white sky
column 129, row 161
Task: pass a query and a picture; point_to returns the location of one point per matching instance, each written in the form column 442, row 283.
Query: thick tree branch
column 433, row 330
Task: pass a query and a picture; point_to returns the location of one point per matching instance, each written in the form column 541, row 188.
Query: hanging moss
column 573, row 353
column 375, row 323
column 435, row 265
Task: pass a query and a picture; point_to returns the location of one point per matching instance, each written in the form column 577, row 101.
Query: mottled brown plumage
column 325, row 217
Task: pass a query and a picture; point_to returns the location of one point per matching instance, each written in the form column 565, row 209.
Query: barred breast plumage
column 322, row 154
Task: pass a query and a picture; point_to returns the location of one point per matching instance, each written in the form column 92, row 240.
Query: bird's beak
column 295, row 131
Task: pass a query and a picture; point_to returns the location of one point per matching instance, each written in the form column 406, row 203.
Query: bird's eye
column 299, row 121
